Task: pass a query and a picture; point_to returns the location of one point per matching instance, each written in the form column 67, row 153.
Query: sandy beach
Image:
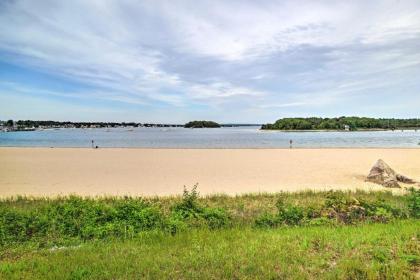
column 61, row 171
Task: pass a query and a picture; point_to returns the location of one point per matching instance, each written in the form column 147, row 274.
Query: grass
column 306, row 235
column 370, row 251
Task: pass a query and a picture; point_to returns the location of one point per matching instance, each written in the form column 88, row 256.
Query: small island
column 342, row 123
column 202, row 124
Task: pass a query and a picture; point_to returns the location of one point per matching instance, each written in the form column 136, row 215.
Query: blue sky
column 228, row 61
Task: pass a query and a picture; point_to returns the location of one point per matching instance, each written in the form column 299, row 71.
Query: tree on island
column 201, row 124
column 353, row 123
column 9, row 123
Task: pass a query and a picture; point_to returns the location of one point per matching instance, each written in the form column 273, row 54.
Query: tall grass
column 47, row 222
column 312, row 235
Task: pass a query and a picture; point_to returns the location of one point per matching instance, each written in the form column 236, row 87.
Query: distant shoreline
column 221, row 126
column 341, row 130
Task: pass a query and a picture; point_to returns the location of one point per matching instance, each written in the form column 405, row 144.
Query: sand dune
column 53, row 171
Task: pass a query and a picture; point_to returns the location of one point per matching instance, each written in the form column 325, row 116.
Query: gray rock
column 382, row 174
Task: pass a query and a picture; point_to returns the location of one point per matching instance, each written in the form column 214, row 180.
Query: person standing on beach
column 290, row 143
column 93, row 144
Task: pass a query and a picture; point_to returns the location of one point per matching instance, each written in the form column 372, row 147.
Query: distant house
column 346, row 127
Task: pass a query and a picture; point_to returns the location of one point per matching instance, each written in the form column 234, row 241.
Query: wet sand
column 122, row 171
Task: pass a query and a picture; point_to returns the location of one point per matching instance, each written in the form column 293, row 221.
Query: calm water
column 238, row 137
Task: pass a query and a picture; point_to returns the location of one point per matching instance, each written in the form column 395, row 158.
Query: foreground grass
column 370, row 251
column 307, row 235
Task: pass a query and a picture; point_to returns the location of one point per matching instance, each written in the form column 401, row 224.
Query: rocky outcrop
column 381, row 173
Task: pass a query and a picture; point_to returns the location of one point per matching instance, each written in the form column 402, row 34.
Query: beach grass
column 304, row 235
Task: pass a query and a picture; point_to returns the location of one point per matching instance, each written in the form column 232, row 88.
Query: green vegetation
column 22, row 124
column 376, row 251
column 202, row 124
column 47, row 222
column 366, row 235
column 9, row 123
column 353, row 123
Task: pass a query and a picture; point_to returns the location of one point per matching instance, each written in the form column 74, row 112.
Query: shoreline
column 343, row 130
column 256, row 127
column 164, row 172
column 213, row 148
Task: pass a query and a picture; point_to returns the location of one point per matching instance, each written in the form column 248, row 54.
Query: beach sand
column 123, row 171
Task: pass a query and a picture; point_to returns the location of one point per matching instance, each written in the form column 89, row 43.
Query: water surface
column 226, row 137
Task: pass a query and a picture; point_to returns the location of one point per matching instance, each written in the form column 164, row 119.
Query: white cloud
column 213, row 52
column 283, row 105
column 221, row 90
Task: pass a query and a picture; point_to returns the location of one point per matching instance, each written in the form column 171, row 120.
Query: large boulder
column 381, row 173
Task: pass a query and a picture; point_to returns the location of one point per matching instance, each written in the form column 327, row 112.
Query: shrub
column 215, row 217
column 175, row 224
column 48, row 221
column 349, row 210
column 338, row 208
column 77, row 217
column 414, row 203
column 267, row 220
column 286, row 214
column 13, row 225
column 291, row 215
column 191, row 212
column 189, row 207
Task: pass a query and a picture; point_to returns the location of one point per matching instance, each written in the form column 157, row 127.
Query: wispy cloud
column 283, row 105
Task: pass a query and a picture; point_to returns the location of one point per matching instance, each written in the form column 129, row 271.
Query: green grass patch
column 46, row 222
column 368, row 251
column 306, row 235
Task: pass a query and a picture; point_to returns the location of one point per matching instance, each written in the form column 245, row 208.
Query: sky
column 227, row 61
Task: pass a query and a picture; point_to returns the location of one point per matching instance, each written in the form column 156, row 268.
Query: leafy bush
column 267, row 220
column 289, row 214
column 349, row 210
column 189, row 207
column 80, row 218
column 286, row 214
column 190, row 211
column 414, row 203
column 338, row 208
column 215, row 217
column 175, row 224
column 52, row 221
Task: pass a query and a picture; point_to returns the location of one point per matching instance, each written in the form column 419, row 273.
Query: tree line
column 49, row 123
column 202, row 124
column 340, row 123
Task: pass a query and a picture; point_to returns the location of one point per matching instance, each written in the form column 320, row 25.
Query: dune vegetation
column 306, row 235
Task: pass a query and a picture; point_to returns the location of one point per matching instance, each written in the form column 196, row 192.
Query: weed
column 414, row 202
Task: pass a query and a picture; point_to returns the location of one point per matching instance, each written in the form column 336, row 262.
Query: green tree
column 9, row 123
column 339, row 123
column 201, row 124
